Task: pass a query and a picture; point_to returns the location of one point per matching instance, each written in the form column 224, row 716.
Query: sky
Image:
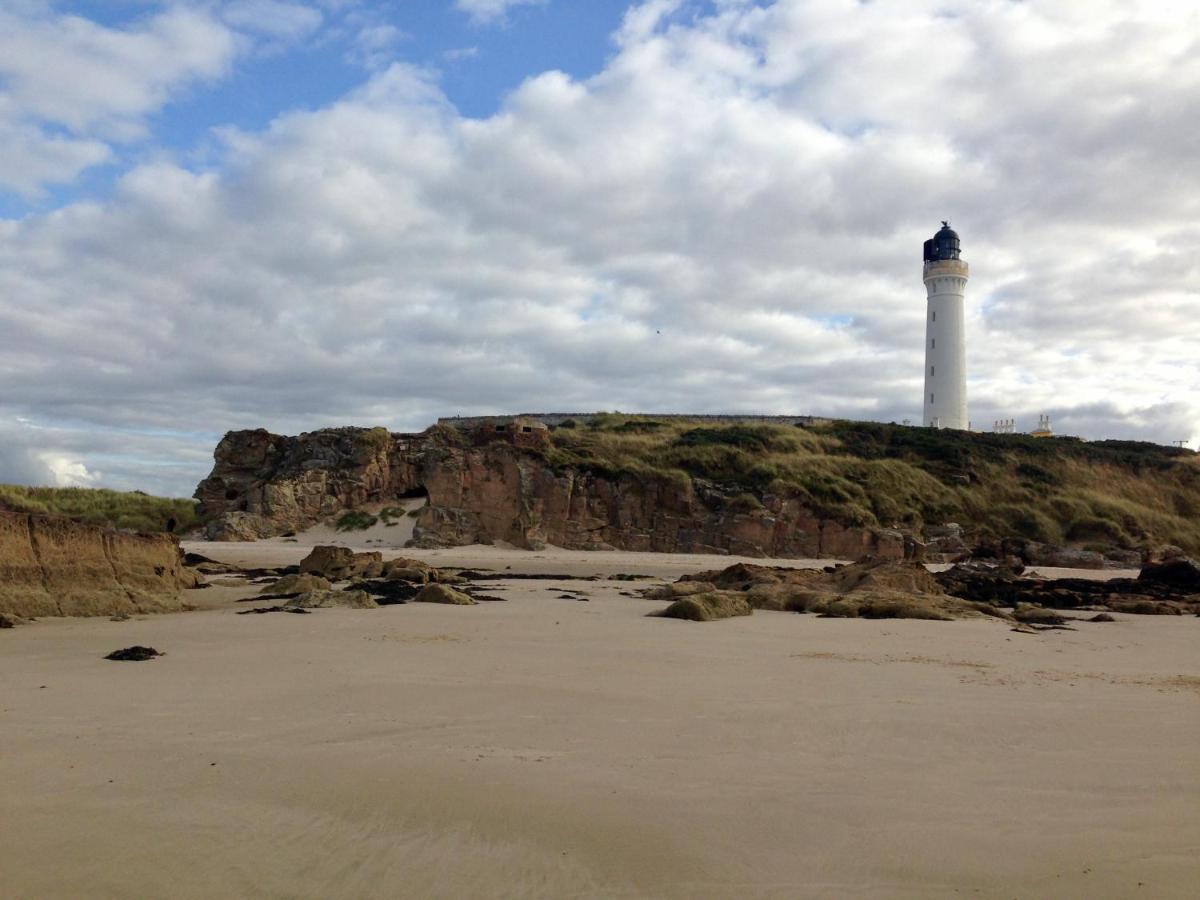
column 228, row 214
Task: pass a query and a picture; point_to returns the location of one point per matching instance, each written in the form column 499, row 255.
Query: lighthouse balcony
column 935, row 268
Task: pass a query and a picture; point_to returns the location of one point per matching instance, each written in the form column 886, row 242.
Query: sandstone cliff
column 484, row 490
column 831, row 488
column 53, row 566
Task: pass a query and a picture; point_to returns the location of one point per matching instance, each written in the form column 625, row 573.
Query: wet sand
column 553, row 748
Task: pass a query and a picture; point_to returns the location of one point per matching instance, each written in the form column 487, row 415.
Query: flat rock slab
column 262, row 610
column 327, row 599
column 134, row 654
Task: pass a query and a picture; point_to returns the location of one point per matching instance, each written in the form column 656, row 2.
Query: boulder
column 868, row 604
column 1035, row 554
column 402, row 562
column 1122, row 559
column 135, row 653
column 238, row 526
column 679, row 589
column 708, row 607
column 329, row 599
column 1145, row 606
column 1176, row 571
column 1036, row 615
column 887, row 604
column 326, row 560
column 885, row 575
column 1162, row 553
column 945, row 542
column 340, row 563
column 782, row 597
column 440, row 593
column 388, row 593
column 292, row 585
column 414, row 576
column 737, row 577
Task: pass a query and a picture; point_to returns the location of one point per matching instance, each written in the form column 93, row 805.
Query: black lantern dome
column 943, row 245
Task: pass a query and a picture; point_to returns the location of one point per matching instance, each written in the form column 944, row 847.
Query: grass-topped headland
column 1098, row 494
column 125, row 510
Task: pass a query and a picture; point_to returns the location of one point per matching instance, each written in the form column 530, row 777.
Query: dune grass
column 1113, row 494
column 126, row 510
column 355, row 520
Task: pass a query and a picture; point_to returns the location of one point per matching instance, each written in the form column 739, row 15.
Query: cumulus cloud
column 486, row 11
column 728, row 217
column 95, row 455
column 375, row 44
column 457, row 53
column 26, row 459
column 275, row 19
column 71, row 90
column 68, row 472
column 70, row 87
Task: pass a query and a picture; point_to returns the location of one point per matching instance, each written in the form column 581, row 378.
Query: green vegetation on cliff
column 129, row 511
column 356, row 520
column 1104, row 494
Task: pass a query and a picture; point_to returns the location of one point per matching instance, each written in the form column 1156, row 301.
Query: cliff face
column 493, row 493
column 264, row 485
column 52, row 566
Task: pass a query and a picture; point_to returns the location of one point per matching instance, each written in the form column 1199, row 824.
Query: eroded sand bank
column 553, row 748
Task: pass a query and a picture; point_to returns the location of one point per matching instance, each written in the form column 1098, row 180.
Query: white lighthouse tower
column 945, row 402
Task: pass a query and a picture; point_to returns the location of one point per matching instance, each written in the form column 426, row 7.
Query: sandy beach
column 547, row 747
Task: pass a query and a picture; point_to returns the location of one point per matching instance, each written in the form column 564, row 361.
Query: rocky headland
column 819, row 490
column 489, row 490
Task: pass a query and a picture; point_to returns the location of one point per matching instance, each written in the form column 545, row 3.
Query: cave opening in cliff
column 414, row 499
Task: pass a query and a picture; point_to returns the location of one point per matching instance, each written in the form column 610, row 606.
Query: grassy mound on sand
column 1101, row 494
column 440, row 593
column 355, row 520
column 124, row 510
column 708, row 607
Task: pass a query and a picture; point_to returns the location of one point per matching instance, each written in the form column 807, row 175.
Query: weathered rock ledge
column 54, row 566
column 264, row 485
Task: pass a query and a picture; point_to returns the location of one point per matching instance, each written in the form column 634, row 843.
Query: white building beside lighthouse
column 945, row 401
